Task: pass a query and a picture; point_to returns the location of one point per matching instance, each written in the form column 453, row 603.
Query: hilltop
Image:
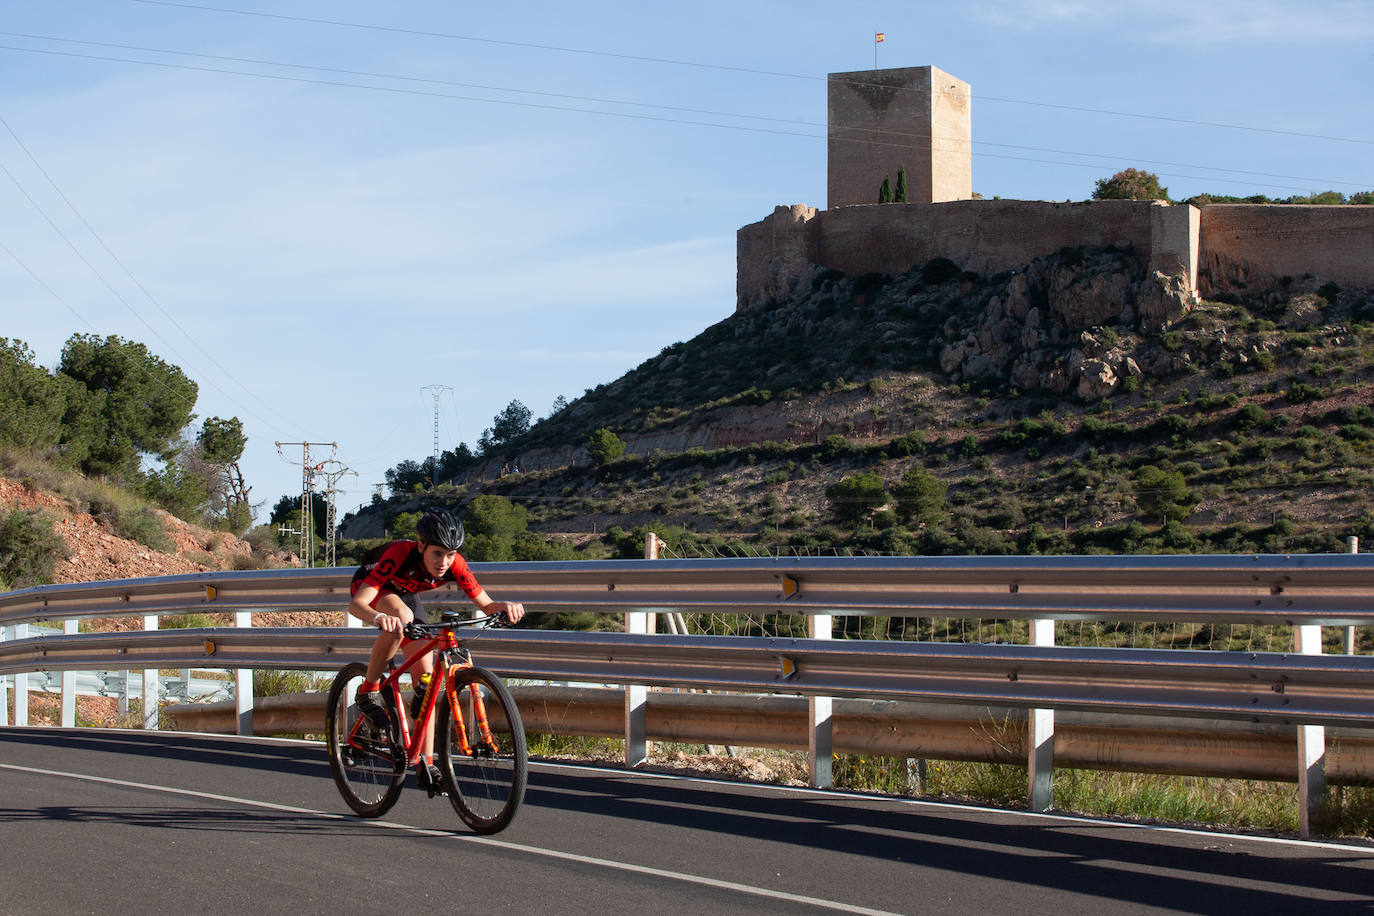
column 1074, row 405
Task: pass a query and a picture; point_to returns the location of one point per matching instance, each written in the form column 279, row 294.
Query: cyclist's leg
column 425, row 666
column 387, row 644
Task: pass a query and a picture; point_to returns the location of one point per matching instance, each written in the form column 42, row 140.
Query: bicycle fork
column 479, row 715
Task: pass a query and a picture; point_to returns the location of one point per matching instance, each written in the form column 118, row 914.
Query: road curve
column 97, row 821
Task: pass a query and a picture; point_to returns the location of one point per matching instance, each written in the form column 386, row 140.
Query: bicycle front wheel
column 482, row 750
column 368, row 765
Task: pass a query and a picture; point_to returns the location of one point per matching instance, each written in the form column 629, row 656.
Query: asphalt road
column 107, row 821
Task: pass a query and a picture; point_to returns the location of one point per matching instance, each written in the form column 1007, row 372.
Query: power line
column 91, row 229
column 604, row 113
column 875, row 133
column 705, row 66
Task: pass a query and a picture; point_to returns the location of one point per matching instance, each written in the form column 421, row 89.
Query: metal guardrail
column 915, row 731
column 1325, row 589
column 1304, row 591
column 1254, row 686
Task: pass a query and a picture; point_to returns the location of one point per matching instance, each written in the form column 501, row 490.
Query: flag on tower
column 878, row 37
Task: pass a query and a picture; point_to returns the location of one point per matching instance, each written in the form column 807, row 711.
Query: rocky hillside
column 1043, row 401
column 95, row 553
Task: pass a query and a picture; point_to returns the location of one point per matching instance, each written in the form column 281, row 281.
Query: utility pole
column 308, row 471
column 331, row 493
column 437, row 391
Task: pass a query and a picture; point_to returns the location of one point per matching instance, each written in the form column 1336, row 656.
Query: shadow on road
column 1184, row 872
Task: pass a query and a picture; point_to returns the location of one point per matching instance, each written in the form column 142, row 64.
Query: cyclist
column 384, row 594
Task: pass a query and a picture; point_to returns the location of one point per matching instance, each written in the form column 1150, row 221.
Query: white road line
column 485, row 841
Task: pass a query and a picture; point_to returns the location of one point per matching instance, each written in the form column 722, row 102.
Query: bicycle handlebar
column 451, row 621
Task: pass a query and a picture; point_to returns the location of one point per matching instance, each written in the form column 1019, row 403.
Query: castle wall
column 880, row 120
column 986, row 236
column 772, row 255
column 1246, row 245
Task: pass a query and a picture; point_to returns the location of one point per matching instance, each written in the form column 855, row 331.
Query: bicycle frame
column 452, row 656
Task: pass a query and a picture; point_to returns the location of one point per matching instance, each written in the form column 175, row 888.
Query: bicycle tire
column 370, row 771
column 486, row 786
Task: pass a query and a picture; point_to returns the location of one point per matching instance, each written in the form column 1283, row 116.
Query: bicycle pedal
column 431, row 781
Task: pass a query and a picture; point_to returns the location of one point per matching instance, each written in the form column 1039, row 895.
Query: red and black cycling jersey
column 399, row 567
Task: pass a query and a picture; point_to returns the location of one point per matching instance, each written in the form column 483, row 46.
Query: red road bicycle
column 479, row 739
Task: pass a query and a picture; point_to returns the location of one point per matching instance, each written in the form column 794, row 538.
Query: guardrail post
column 1352, row 545
column 1307, row 640
column 4, row 691
column 150, row 684
column 636, row 702
column 1040, row 734
column 69, row 627
column 21, row 683
column 243, row 684
column 821, row 745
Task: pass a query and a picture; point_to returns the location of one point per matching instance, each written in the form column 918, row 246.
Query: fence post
column 243, row 684
column 637, row 695
column 821, row 745
column 69, row 627
column 1040, row 734
column 4, row 691
column 1352, row 545
column 21, row 683
column 636, row 702
column 1307, row 640
column 150, row 684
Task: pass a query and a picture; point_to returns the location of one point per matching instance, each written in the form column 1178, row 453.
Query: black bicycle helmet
column 439, row 527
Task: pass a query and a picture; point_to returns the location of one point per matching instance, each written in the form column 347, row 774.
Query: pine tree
column 900, row 196
column 885, row 192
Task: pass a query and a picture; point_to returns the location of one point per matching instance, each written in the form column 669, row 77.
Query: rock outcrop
column 1058, row 325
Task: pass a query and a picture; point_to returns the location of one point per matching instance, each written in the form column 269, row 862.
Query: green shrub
column 920, row 497
column 912, row 443
column 1250, row 416
column 29, row 549
column 605, row 446
column 1298, row 392
column 857, row 496
column 833, row 447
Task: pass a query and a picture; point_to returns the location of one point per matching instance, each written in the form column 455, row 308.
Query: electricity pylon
column 308, row 471
column 437, row 391
column 331, row 470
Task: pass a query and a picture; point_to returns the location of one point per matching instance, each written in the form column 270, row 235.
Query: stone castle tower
column 917, row 117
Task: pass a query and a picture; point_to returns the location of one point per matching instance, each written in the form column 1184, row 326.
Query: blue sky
column 318, row 208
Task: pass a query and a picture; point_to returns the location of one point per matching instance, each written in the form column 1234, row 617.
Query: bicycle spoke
column 482, row 751
column 363, row 760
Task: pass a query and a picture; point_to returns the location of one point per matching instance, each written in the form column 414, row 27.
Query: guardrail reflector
column 788, row 667
column 791, row 588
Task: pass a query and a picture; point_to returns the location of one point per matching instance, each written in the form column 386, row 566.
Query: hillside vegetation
column 1069, row 407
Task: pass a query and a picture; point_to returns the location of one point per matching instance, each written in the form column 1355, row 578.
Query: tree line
column 1136, row 184
column 111, row 409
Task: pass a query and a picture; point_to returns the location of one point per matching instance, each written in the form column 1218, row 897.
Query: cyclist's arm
column 360, row 607
column 513, row 610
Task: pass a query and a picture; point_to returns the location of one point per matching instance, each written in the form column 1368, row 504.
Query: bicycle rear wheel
column 487, row 782
column 368, row 765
